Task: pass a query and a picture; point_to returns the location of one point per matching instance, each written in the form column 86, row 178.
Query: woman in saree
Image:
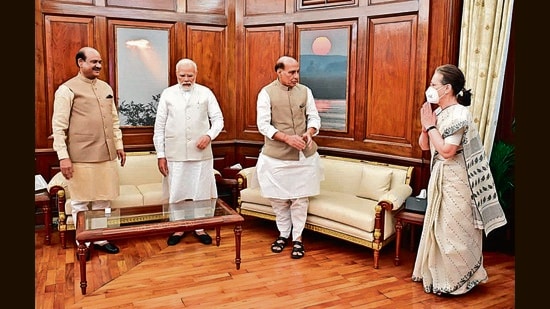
column 462, row 201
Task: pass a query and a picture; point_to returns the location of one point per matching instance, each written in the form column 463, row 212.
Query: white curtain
column 483, row 51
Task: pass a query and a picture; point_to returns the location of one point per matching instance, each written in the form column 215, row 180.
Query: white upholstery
column 375, row 181
column 140, row 182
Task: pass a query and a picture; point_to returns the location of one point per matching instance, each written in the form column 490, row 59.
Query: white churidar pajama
column 289, row 198
column 78, row 206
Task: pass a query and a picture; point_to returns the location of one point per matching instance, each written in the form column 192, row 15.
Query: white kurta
column 190, row 170
column 189, row 180
column 182, row 118
column 287, row 179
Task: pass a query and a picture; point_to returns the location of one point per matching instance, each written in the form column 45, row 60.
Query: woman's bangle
column 430, row 127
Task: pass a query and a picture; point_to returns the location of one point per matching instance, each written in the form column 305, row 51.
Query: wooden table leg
column 82, row 251
column 398, row 230
column 238, row 231
column 47, row 210
column 412, row 219
column 218, row 237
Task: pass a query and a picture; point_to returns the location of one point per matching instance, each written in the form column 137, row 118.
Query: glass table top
column 183, row 210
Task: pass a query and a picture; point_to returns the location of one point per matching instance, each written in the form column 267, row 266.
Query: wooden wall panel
column 312, row 4
column 390, row 88
column 64, row 36
column 259, row 7
column 247, row 155
column 263, row 46
column 372, row 2
column 88, row 2
column 206, row 46
column 137, row 138
column 41, row 111
column 224, row 155
column 206, row 6
column 444, row 19
column 46, row 164
column 161, row 5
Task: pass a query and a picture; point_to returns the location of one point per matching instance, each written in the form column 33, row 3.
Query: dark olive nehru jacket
column 288, row 115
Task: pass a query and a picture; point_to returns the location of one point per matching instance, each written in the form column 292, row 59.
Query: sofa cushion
column 140, row 168
column 375, row 181
column 129, row 196
column 344, row 208
column 152, row 194
column 341, row 175
column 253, row 195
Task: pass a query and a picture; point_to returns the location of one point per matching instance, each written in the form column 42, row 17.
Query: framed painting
column 142, row 72
column 324, row 65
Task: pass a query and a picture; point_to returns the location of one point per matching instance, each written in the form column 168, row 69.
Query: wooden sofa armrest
column 57, row 188
column 231, row 184
column 387, row 203
column 57, row 195
column 243, row 176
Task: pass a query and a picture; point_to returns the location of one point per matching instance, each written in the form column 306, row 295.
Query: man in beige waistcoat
column 288, row 168
column 88, row 139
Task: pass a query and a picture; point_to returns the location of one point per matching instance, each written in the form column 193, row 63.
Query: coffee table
column 139, row 221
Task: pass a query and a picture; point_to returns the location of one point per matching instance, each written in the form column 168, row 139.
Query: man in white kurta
column 188, row 119
column 289, row 168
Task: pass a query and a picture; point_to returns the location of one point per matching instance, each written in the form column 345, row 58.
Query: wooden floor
column 333, row 274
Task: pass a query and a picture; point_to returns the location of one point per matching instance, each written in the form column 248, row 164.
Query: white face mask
column 432, row 95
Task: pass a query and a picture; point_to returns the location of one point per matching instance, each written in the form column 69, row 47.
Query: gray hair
column 186, row 61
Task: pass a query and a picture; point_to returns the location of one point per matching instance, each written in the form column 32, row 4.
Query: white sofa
column 357, row 203
column 140, row 184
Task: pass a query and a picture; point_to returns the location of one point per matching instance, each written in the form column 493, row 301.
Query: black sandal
column 298, row 251
column 278, row 245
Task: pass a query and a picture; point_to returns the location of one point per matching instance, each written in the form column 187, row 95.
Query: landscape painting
column 324, row 68
column 142, row 73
